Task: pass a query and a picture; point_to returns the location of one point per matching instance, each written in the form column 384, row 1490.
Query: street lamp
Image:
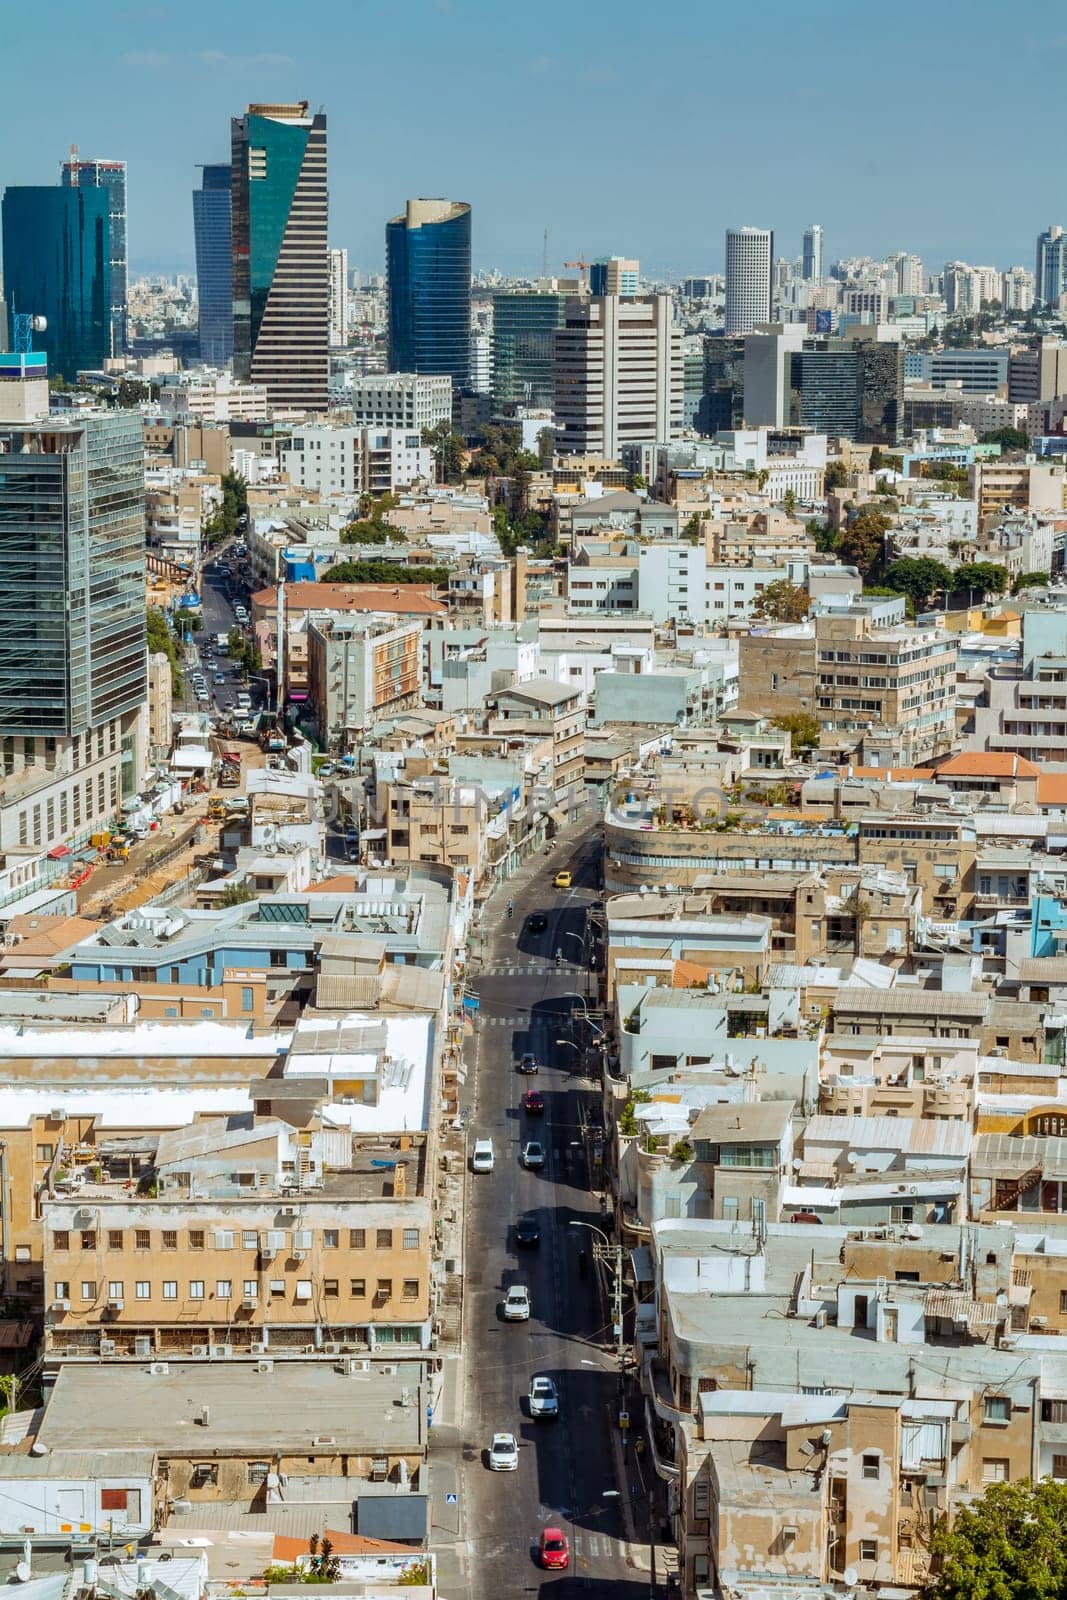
column 611, row 1253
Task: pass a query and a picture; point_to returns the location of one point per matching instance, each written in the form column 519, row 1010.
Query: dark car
column 537, row 923
column 527, row 1232
column 529, row 1063
column 533, row 1103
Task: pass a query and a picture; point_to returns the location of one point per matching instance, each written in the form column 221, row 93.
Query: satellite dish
column 797, row 1163
column 22, row 1571
column 852, row 1158
column 850, row 1576
column 38, row 324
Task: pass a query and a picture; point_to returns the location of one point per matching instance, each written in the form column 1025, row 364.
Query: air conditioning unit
column 356, row 1364
column 267, row 1252
column 390, row 1369
column 116, row 1305
column 1039, row 1322
column 223, row 1352
column 264, row 1366
column 300, row 1255
column 159, row 1369
column 60, row 1305
column 198, row 1350
column 258, row 1348
column 107, row 1347
column 332, row 1347
column 248, row 1300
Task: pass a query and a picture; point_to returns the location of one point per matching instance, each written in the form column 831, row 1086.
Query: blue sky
column 624, row 126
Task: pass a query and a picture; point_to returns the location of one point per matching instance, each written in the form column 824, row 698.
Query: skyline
column 933, row 172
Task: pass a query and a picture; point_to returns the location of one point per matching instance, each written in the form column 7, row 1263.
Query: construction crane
column 583, row 266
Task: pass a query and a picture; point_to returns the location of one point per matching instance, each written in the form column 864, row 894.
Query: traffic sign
column 451, row 1499
column 471, row 1002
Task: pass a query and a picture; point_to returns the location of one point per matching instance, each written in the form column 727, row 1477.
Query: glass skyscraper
column 214, row 276
column 281, row 275
column 57, row 264
column 109, row 175
column 72, row 649
column 524, row 329
column 428, row 260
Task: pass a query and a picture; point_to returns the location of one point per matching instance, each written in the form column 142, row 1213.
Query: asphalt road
column 527, row 1003
column 217, row 593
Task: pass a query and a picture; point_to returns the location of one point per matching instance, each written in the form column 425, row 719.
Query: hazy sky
column 620, row 126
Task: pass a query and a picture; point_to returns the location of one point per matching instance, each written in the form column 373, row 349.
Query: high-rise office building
column 57, row 264
column 428, row 258
column 850, row 388
column 618, row 375
column 109, row 175
column 723, row 405
column 615, row 275
column 1050, row 267
column 749, row 255
column 281, row 275
column 524, row 331
column 214, row 264
column 811, row 263
column 338, row 299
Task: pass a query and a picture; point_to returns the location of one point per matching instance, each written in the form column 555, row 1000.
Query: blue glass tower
column 428, row 259
column 214, row 276
column 57, row 264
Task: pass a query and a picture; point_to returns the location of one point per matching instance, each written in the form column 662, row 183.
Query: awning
column 297, row 697
column 57, row 852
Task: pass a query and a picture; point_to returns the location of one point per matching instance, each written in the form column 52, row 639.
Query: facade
column 345, row 461
column 723, row 404
column 1038, row 374
column 400, row 399
column 618, row 375
column 524, row 330
column 615, row 275
column 846, row 388
column 214, row 264
column 281, row 288
column 57, row 264
column 812, row 259
column 338, row 299
column 359, row 669
column 1050, row 266
column 749, row 256
column 111, row 177
column 428, row 261
column 976, row 371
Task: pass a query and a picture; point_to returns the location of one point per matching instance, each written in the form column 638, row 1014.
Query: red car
column 533, row 1103
column 554, row 1551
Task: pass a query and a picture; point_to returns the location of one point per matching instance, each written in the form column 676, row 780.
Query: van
column 244, row 701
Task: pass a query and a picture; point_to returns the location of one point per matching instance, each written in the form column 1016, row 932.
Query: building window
column 61, row 1289
column 871, row 1466
column 88, row 1239
column 995, row 1469
column 411, row 1289
column 330, row 1238
column 45, row 1152
column 170, row 1239
column 258, row 1471
column 383, row 1239
column 170, row 1289
column 250, row 1289
column 142, row 1239
column 330, row 1288
column 142, row 1289
column 357, row 1288
column 114, row 1290
column 249, row 1239
column 223, row 1288
column 411, row 1238
column 196, row 1288
column 357, row 1238
column 384, row 1289
column 997, row 1408
column 1059, row 1467
column 61, row 1240
column 868, row 1549
column 196, row 1238
column 303, row 1288
column 88, row 1288
column 114, row 1238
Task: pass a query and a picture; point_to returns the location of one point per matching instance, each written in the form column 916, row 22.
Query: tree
column 1007, row 438
column 236, row 894
column 160, row 640
column 782, row 601
column 836, row 475
column 824, row 535
column 801, row 726
column 1009, row 1545
column 448, row 450
column 1030, row 580
column 918, row 577
column 862, row 544
column 383, row 572
column 371, row 533
column 988, row 576
column 546, row 445
column 789, row 501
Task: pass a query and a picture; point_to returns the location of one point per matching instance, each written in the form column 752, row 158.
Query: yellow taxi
column 563, row 880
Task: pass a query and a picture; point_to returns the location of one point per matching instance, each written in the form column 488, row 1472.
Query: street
column 217, row 593
column 568, row 1473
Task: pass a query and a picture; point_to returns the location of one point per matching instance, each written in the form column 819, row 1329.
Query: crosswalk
column 511, row 969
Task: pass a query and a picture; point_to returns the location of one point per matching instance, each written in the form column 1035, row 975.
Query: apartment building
column 998, row 486
column 336, row 460
column 544, row 709
column 410, row 401
column 618, row 375
column 360, row 668
column 440, row 819
column 210, row 396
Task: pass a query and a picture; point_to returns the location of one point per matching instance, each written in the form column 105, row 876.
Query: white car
column 533, row 1155
column 482, row 1159
column 543, row 1398
column 517, row 1304
column 503, row 1453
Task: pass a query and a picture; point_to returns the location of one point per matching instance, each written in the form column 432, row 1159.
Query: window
column 114, row 1238
column 170, row 1239
column 223, row 1288
column 277, row 1286
column 257, row 1471
column 45, row 1152
column 303, row 1288
column 411, row 1238
column 170, row 1289
column 205, row 1475
column 142, row 1289
column 142, row 1239
column 88, row 1289
column 384, row 1289
column 250, row 1289
column 357, row 1238
column 88, row 1239
column 114, row 1290
column 330, row 1288
column 61, row 1240
column 995, row 1469
column 1059, row 1467
column 997, row 1408
column 871, row 1465
column 383, row 1239
column 196, row 1238
column 1063, row 1302
column 196, row 1288
column 411, row 1289
column 22, row 1252
column 250, row 1239
column 868, row 1549
column 61, row 1289
column 357, row 1288
column 114, row 1499
column 330, row 1238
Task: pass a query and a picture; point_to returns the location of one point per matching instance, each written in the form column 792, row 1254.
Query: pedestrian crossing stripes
column 525, row 971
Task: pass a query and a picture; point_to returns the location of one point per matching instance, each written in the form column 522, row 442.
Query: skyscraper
column 281, row 274
column 615, row 275
column 109, row 175
column 811, row 270
column 618, row 375
column 1050, row 268
column 524, row 329
column 214, row 273
column 338, row 299
column 749, row 255
column 428, row 259
column 57, row 264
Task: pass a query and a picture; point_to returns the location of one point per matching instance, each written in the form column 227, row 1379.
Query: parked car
column 503, row 1453
column 482, row 1158
column 543, row 1398
column 527, row 1232
column 555, row 1553
column 517, row 1304
column 533, row 1155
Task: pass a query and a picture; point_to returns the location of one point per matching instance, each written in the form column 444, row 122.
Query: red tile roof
column 405, row 599
column 988, row 764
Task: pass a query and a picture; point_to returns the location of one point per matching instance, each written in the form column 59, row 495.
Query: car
column 220, row 677
column 202, row 695
column 533, row 1155
column 537, row 922
column 563, row 880
column 527, row 1232
column 533, row 1103
column 517, row 1304
column 529, row 1063
column 553, row 1549
column 503, row 1453
column 543, row 1398
column 482, row 1158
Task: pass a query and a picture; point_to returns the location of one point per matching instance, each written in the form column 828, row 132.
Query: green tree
column 782, row 601
column 801, row 726
column 862, row 543
column 160, row 639
column 1009, row 1545
column 1030, row 580
column 919, row 577
column 371, row 532
column 236, row 894
column 789, row 501
column 1007, row 438
column 836, row 475
column 988, row 576
column 546, row 445
column 448, row 451
column 383, row 572
column 824, row 535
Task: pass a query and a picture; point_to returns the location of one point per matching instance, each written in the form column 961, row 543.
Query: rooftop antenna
column 544, row 257
column 74, row 166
